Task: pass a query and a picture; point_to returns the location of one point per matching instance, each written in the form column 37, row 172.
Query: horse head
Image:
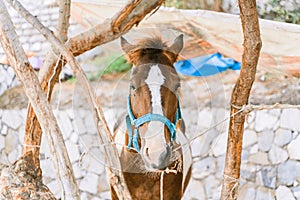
column 153, row 101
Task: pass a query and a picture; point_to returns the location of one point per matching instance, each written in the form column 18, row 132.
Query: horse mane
column 152, row 43
column 153, row 46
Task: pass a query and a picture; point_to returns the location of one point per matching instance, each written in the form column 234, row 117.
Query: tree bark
column 132, row 14
column 40, row 104
column 240, row 96
column 20, row 181
column 63, row 20
column 30, row 137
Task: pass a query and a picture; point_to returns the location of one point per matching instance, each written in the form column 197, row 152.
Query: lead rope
column 162, row 185
column 167, row 171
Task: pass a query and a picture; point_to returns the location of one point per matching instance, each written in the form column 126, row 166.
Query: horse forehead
column 155, row 76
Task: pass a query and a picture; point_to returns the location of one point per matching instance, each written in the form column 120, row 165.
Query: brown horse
column 153, row 162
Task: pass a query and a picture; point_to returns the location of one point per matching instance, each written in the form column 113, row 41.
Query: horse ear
column 177, row 46
column 126, row 46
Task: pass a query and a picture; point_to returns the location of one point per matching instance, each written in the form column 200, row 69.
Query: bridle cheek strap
column 133, row 138
column 133, row 123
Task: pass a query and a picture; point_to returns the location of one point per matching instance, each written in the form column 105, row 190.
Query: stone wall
column 270, row 161
column 47, row 12
column 8, row 78
column 32, row 41
column 265, row 6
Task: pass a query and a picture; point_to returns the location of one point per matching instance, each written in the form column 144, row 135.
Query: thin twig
column 251, row 107
column 161, row 190
column 241, row 109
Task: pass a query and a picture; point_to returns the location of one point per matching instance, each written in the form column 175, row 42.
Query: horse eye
column 177, row 87
column 132, row 87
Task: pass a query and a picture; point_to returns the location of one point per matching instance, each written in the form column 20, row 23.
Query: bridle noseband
column 131, row 121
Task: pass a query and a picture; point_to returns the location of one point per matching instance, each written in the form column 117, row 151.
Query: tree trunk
column 31, row 138
column 40, row 104
column 21, row 181
column 240, row 96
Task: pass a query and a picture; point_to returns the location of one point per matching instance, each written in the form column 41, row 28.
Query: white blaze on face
column 154, row 136
column 155, row 80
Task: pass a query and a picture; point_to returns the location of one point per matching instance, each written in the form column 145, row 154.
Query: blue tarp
column 206, row 65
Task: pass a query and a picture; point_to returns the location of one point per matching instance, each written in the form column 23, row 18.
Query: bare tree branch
column 109, row 30
column 62, row 34
column 249, row 107
column 132, row 14
column 33, row 131
column 63, row 20
column 102, row 127
column 240, row 96
column 39, row 102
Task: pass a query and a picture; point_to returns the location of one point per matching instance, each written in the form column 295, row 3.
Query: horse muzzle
column 157, row 159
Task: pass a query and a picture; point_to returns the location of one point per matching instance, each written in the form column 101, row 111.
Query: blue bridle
column 131, row 121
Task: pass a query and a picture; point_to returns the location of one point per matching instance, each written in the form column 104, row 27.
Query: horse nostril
column 165, row 155
column 158, row 159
